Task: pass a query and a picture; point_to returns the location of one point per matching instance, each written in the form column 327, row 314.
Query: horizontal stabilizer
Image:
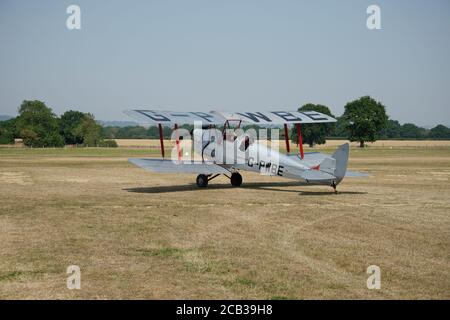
column 316, row 175
column 356, row 174
column 166, row 165
column 310, row 158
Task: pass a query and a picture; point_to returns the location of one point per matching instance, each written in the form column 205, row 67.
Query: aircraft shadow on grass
column 268, row 186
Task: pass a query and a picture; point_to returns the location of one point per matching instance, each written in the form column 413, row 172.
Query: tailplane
column 332, row 167
column 340, row 168
column 336, row 164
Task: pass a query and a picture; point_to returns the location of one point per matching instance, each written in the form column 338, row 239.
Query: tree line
column 39, row 127
column 364, row 120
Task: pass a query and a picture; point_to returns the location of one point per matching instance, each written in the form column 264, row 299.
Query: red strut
column 286, row 137
column 161, row 138
column 178, row 143
column 300, row 140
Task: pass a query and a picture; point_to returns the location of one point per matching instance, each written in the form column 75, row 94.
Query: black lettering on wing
column 287, row 116
column 314, row 115
column 203, row 115
column 254, row 116
column 154, row 115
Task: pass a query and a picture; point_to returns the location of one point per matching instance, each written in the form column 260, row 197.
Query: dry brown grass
column 141, row 235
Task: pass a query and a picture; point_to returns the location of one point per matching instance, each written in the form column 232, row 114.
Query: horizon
column 202, row 55
column 131, row 122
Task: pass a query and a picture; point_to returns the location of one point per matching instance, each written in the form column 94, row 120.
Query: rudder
column 341, row 157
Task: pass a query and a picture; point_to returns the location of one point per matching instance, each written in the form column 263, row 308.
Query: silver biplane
column 230, row 150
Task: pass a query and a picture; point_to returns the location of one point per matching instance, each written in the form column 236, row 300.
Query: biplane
column 230, row 150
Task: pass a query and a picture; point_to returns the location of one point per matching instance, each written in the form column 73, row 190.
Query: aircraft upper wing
column 166, row 165
column 169, row 118
column 277, row 117
column 150, row 117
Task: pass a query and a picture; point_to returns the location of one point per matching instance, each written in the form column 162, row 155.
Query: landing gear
column 333, row 185
column 236, row 179
column 202, row 180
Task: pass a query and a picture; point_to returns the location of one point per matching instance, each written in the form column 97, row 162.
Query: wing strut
column 300, row 140
column 286, row 138
column 178, row 142
column 161, row 139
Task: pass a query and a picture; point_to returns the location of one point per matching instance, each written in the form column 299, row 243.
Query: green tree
column 53, row 139
column 30, row 138
column 391, row 131
column 314, row 133
column 132, row 132
column 167, row 132
column 7, row 131
column 339, row 130
column 439, row 132
column 411, row 131
column 364, row 119
column 153, row 132
column 89, row 130
column 110, row 132
column 68, row 122
column 38, row 126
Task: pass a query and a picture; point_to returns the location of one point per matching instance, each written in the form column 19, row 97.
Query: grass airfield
column 137, row 234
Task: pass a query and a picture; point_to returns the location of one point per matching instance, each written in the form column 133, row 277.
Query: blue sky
column 226, row 55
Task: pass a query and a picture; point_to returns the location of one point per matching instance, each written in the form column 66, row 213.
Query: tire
column 236, row 179
column 202, row 181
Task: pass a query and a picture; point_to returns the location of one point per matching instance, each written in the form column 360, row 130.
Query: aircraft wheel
column 236, row 179
column 202, row 181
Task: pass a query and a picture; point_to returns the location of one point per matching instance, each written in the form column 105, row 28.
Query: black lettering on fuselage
column 274, row 169
column 280, row 171
column 265, row 166
column 261, row 164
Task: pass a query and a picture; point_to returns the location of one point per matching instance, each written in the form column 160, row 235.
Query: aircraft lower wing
column 166, row 165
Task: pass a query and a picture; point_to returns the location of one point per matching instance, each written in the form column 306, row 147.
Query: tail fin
column 341, row 157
